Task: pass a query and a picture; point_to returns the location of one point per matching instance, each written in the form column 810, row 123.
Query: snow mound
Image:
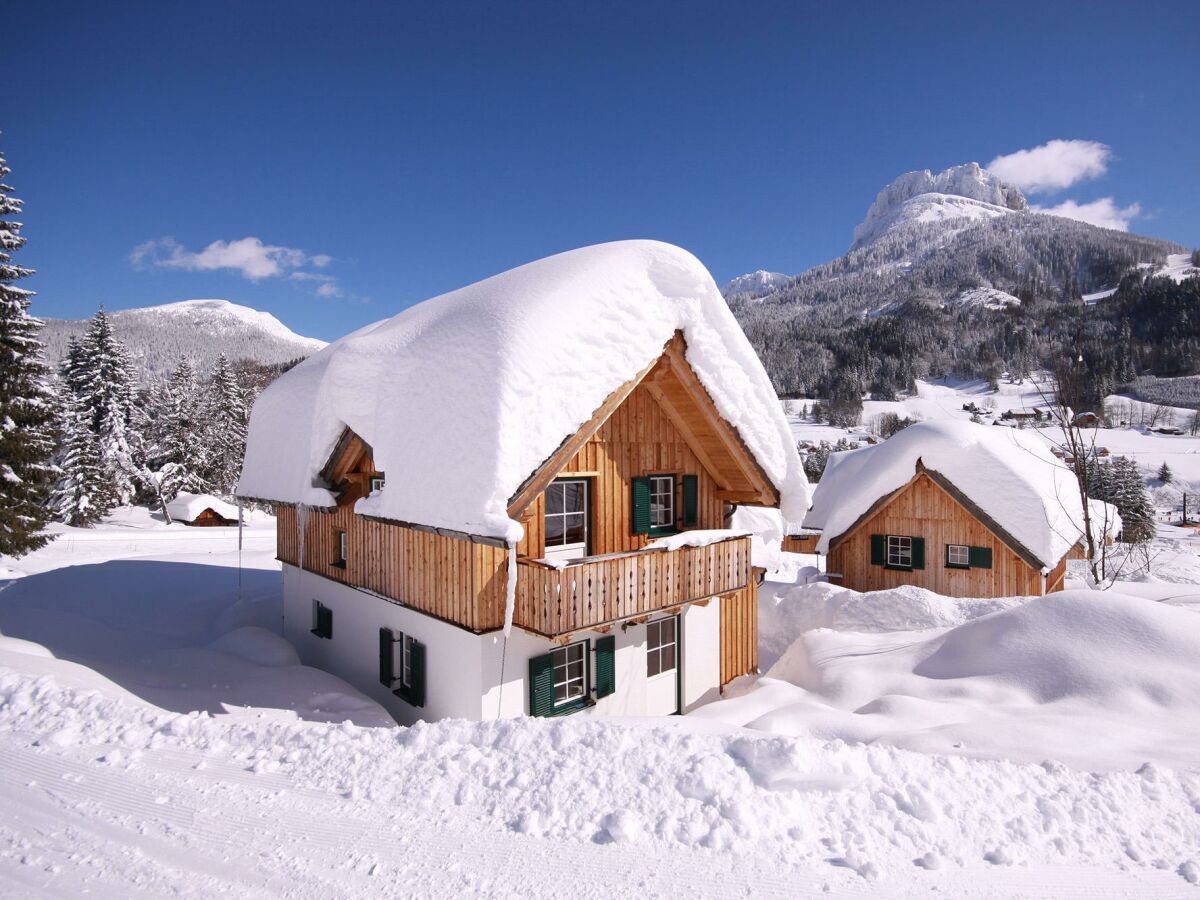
column 467, row 394
column 1023, row 683
column 258, row 646
column 1012, row 476
column 185, row 507
column 966, row 191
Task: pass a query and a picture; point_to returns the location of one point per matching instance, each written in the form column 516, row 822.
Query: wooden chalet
column 629, row 593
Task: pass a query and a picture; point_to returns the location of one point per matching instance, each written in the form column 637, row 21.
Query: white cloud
column 1103, row 212
column 1053, row 166
column 248, row 256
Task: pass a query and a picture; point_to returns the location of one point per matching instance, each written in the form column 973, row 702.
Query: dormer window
column 376, row 483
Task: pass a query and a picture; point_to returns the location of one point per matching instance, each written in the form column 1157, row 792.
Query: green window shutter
column 606, row 666
column 981, row 557
column 691, row 501
column 641, row 506
column 416, row 690
column 918, row 553
column 541, row 685
column 385, row 657
column 879, row 549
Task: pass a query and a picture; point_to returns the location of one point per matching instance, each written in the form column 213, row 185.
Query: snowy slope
column 108, row 794
column 466, row 394
column 159, row 336
column 757, row 283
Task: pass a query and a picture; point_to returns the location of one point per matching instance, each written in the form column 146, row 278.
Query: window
column 340, row 562
column 570, row 673
column 958, row 556
column 899, row 551
column 322, row 620
column 402, row 665
column 660, row 646
column 376, row 483
column 567, row 515
column 662, row 502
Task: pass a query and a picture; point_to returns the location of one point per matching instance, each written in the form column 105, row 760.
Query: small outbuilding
column 954, row 507
column 201, row 510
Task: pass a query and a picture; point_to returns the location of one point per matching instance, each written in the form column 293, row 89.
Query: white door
column 662, row 666
column 566, row 519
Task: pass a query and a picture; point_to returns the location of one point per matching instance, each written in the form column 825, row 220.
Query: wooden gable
column 350, row 468
column 677, row 391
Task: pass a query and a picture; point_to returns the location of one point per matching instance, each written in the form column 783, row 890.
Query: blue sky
column 354, row 158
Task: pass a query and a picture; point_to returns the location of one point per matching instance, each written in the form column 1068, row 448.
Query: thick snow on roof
column 463, row 396
column 1009, row 474
column 186, row 507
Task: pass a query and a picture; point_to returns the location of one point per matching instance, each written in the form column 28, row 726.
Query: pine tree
column 225, row 427
column 82, row 495
column 26, row 401
column 1165, row 475
column 1120, row 483
column 179, row 454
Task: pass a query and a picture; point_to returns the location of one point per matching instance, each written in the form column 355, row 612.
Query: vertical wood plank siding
column 452, row 579
column 637, row 439
column 739, row 633
column 924, row 510
column 559, row 601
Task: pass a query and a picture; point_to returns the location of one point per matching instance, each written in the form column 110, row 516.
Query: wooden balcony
column 599, row 590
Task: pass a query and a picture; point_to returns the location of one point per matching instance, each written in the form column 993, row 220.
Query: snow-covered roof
column 185, row 507
column 462, row 397
column 1009, row 474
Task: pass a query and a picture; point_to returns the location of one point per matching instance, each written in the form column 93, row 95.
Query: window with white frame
column 376, row 483
column 958, row 555
column 570, row 673
column 566, row 517
column 341, row 543
column 402, row 669
column 899, row 551
column 661, row 646
column 662, row 501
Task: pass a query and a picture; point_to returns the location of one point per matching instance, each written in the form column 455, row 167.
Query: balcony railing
column 596, row 590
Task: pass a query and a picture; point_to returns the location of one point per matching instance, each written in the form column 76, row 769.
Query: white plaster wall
column 700, row 627
column 452, row 655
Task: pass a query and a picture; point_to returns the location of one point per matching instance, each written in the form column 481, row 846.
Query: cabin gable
column 924, row 509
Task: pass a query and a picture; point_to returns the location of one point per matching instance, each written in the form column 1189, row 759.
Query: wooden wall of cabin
column 1055, row 581
column 638, row 439
column 456, row 580
column 739, row 633
column 924, row 510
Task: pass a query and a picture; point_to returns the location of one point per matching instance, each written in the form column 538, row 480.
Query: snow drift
column 463, row 396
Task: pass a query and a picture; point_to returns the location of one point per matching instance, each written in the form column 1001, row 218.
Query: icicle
column 241, row 523
column 510, row 601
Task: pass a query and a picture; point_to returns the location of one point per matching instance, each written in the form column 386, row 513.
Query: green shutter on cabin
column 385, row 657
column 981, row 557
column 879, row 549
column 606, row 666
column 691, row 500
column 641, row 505
column 541, row 685
column 416, row 665
column 918, row 553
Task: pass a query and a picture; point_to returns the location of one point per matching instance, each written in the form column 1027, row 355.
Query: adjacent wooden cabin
column 202, row 511
column 626, row 589
column 977, row 515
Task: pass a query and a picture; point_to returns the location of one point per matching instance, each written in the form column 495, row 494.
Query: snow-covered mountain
column 757, row 284
column 159, row 336
column 955, row 198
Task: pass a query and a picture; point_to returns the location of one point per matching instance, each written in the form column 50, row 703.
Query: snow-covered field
column 160, row 739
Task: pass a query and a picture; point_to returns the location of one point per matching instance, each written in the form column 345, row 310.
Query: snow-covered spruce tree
column 26, row 401
column 225, row 427
column 179, row 454
column 83, row 492
column 1165, row 475
column 1120, row 483
column 104, row 384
